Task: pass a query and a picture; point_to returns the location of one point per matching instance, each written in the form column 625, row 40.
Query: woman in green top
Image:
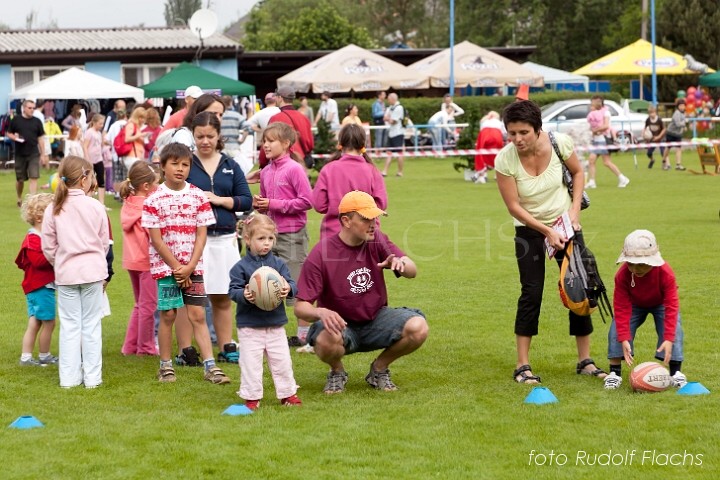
column 529, row 176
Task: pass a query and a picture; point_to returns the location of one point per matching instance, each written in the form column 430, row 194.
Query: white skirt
column 219, row 256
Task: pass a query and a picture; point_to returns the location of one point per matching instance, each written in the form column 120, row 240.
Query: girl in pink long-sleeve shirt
column 351, row 169
column 140, row 336
column 285, row 197
column 75, row 240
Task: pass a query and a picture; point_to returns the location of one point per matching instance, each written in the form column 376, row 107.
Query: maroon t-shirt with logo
column 347, row 279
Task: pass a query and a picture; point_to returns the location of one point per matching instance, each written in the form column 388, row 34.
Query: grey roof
column 113, row 39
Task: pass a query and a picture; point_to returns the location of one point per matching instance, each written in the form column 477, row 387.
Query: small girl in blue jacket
column 262, row 333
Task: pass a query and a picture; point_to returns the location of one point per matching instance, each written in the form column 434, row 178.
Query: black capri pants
column 99, row 169
column 530, row 254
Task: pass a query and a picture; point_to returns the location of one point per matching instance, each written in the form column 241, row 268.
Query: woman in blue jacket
column 223, row 181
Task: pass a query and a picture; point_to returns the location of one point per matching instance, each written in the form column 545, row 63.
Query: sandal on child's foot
column 581, row 369
column 216, row 376
column 521, row 375
column 166, row 375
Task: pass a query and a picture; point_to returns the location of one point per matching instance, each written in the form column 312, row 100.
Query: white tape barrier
column 429, row 152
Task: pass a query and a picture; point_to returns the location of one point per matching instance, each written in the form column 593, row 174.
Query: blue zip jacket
column 228, row 181
column 248, row 315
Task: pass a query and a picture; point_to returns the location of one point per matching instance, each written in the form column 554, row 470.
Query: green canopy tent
column 710, row 80
column 186, row 74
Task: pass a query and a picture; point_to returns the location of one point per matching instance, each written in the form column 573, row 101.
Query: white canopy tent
column 554, row 76
column 474, row 66
column 75, row 83
column 352, row 68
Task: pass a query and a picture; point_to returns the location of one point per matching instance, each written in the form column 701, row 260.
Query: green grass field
column 458, row 414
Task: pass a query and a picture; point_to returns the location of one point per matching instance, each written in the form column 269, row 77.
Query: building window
column 133, row 76
column 23, row 77
column 156, row 72
column 139, row 75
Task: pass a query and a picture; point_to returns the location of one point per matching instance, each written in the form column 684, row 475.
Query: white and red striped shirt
column 178, row 214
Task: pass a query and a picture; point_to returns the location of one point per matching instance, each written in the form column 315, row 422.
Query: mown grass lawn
column 457, row 414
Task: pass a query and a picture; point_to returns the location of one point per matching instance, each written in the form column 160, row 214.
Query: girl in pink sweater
column 75, row 240
column 348, row 170
column 140, row 337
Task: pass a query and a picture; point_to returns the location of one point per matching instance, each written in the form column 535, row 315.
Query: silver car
column 565, row 115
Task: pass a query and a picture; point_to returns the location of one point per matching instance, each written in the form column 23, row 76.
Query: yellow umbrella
column 636, row 59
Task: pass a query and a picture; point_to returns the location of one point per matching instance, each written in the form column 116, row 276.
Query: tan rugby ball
column 266, row 284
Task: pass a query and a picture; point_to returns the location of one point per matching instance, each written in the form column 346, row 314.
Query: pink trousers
column 256, row 343
column 140, row 335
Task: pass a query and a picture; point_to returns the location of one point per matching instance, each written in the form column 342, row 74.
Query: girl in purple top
column 285, row 197
column 348, row 170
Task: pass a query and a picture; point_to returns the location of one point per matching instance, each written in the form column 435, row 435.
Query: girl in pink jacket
column 349, row 169
column 140, row 336
column 75, row 240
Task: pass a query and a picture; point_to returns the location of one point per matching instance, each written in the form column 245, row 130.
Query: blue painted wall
column 226, row 67
column 5, row 86
column 111, row 70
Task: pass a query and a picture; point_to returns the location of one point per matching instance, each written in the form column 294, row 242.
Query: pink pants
column 140, row 335
column 254, row 343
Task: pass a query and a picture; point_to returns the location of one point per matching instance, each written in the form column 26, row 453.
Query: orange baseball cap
column 362, row 203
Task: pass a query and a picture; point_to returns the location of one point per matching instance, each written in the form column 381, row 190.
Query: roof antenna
column 203, row 24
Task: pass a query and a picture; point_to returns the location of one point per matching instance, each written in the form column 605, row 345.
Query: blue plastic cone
column 540, row 396
column 26, row 421
column 237, row 410
column 693, row 388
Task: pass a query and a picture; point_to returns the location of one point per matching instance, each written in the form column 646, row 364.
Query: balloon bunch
column 698, row 103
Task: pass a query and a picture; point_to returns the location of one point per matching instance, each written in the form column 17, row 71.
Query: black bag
column 582, row 291
column 567, row 176
column 309, row 160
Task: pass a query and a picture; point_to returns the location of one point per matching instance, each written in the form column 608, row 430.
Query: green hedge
column 421, row 109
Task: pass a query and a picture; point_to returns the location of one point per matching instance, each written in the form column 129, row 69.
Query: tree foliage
column 301, row 25
column 178, row 12
column 566, row 34
column 413, row 23
column 690, row 28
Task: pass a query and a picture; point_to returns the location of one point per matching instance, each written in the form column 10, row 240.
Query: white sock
column 43, row 356
column 24, row 357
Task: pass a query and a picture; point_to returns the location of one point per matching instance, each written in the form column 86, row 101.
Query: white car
column 566, row 115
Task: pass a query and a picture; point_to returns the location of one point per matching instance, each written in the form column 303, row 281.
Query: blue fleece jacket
column 248, row 315
column 228, row 181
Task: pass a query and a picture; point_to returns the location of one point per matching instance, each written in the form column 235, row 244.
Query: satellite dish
column 203, row 23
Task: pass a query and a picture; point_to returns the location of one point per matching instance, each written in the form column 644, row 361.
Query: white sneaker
column 482, row 179
column 623, row 181
column 307, row 348
column 679, row 379
column 613, row 381
column 590, row 184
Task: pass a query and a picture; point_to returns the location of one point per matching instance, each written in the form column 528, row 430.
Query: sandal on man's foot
column 521, row 375
column 580, row 369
